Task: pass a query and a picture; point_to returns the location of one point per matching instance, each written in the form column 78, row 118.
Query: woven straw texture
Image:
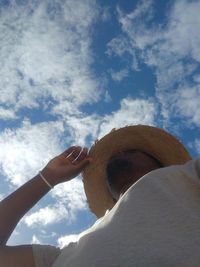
column 154, row 141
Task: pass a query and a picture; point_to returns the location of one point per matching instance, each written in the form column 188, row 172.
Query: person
column 142, row 184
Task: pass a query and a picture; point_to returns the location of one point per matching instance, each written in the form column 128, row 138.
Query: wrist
column 49, row 177
column 45, row 180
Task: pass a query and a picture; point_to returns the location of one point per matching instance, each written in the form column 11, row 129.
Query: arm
column 60, row 169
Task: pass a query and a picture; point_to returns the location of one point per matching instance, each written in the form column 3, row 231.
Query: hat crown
column 156, row 142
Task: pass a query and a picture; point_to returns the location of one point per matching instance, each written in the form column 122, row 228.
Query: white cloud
column 35, row 240
column 82, row 126
column 7, row 114
column 108, row 97
column 72, row 195
column 47, row 215
column 141, row 16
column 65, row 240
column 196, row 145
column 45, row 54
column 197, row 78
column 1, row 196
column 70, row 199
column 187, row 101
column 172, row 50
column 132, row 111
column 106, row 14
column 179, row 46
column 183, row 34
column 119, row 75
column 27, row 149
column 120, row 46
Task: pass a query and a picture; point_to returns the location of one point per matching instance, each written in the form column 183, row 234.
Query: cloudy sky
column 71, row 71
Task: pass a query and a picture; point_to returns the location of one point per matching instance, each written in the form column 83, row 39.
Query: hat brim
column 161, row 145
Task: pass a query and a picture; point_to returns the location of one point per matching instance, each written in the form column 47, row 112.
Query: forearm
column 60, row 169
column 16, row 205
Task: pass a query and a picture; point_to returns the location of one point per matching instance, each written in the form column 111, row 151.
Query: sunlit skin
column 127, row 168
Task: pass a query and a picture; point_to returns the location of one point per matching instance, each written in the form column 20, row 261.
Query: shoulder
column 45, row 255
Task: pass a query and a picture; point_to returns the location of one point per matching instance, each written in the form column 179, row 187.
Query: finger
column 82, row 155
column 81, row 165
column 68, row 151
column 72, row 153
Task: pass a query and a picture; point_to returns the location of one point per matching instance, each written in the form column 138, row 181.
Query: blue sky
column 71, row 71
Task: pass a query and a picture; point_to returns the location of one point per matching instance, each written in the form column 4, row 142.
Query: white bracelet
column 41, row 176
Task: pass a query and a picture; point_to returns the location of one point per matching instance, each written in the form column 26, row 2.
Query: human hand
column 67, row 165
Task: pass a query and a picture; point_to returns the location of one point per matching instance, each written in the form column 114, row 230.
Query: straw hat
column 161, row 145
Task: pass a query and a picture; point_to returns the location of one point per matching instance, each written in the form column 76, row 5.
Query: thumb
column 81, row 165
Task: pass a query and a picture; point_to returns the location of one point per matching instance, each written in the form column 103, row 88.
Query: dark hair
column 120, row 165
column 116, row 166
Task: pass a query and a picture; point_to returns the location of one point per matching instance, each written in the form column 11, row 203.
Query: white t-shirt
column 155, row 223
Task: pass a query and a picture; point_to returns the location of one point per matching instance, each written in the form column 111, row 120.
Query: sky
column 70, row 72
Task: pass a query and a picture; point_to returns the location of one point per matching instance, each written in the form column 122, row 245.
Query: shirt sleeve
column 45, row 255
